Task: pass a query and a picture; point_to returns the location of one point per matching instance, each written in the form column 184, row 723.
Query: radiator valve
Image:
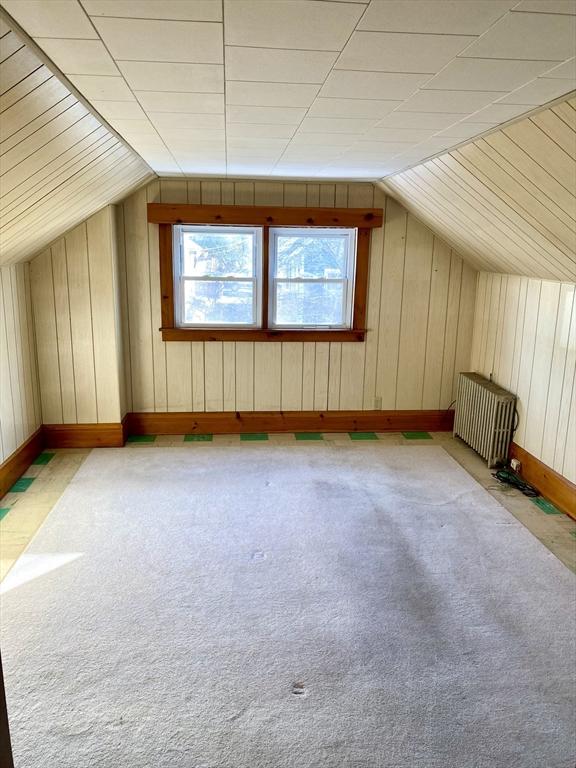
column 515, row 464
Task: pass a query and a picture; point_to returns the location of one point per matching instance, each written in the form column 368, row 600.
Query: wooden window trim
column 168, row 215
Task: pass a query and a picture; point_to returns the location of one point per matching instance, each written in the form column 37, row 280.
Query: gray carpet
column 269, row 606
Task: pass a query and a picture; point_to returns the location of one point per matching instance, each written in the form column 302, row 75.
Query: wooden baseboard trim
column 288, row 421
column 83, row 435
column 560, row 491
column 18, row 462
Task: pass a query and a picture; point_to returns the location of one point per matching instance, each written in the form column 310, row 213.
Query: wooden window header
column 271, row 216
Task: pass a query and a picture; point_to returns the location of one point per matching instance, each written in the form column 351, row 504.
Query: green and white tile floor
column 24, row 508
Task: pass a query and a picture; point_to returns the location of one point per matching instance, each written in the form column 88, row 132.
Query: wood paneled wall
column 420, row 317
column 76, row 310
column 507, row 201
column 525, row 337
column 20, row 414
column 59, row 162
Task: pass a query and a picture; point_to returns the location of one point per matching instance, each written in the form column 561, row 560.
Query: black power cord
column 508, row 477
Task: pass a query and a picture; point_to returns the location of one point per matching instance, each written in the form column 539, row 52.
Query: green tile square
column 44, row 458
column 141, row 439
column 197, row 438
column 22, row 485
column 417, row 435
column 251, row 436
column 545, row 506
column 363, row 435
column 3, row 512
column 308, row 435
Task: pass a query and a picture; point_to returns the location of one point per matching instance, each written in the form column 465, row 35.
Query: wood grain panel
column 506, row 201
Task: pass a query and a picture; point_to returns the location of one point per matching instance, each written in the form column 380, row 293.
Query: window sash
column 347, row 282
column 181, row 279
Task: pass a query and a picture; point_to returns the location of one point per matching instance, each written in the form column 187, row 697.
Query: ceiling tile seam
column 508, row 58
column 3, row 61
column 306, row 114
column 551, row 138
column 133, row 94
column 51, row 67
column 15, row 85
column 52, row 77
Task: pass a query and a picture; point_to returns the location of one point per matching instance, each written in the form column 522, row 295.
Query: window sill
column 259, row 334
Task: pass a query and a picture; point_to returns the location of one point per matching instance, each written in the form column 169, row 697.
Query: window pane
column 217, row 254
column 218, row 302
column 320, row 256
column 309, row 304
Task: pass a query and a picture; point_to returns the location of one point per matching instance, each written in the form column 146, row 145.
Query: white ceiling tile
column 335, row 125
column 497, row 113
column 58, row 18
column 463, row 131
column 434, row 16
column 539, row 91
column 249, row 143
column 397, row 52
column 528, row 36
column 276, row 65
column 566, row 71
column 153, row 40
column 134, row 127
column 182, row 136
column 547, row 6
column 325, row 139
column 419, row 120
column 316, row 26
column 270, row 94
column 377, row 85
column 99, row 88
column 248, row 169
column 260, row 131
column 449, row 101
column 382, row 133
column 184, row 120
column 185, row 10
column 270, row 115
column 158, row 76
column 235, row 155
column 362, row 108
column 194, row 103
column 435, row 144
column 372, row 149
column 119, row 110
column 481, row 74
column 80, row 57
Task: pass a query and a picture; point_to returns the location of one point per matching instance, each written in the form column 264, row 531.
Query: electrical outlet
column 515, row 464
column 377, row 403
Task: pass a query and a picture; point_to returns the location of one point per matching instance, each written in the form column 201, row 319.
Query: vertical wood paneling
column 295, row 375
column 64, row 332
column 536, row 360
column 19, row 413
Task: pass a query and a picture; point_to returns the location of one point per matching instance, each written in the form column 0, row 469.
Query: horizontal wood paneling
column 419, row 318
column 508, row 200
column 20, row 412
column 59, row 163
column 83, row 435
column 525, row 339
column 75, row 288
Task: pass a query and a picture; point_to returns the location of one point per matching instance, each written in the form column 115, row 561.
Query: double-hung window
column 218, row 276
column 250, row 273
column 311, row 277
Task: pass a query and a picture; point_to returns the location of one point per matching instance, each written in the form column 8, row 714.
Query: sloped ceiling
column 506, row 201
column 305, row 88
column 58, row 163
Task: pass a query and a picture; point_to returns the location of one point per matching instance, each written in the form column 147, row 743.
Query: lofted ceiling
column 58, row 163
column 506, row 201
column 305, row 88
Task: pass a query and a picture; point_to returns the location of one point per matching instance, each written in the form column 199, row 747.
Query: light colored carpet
column 270, row 606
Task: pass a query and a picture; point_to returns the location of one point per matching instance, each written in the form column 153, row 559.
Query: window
column 218, row 276
column 232, row 273
column 311, row 277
